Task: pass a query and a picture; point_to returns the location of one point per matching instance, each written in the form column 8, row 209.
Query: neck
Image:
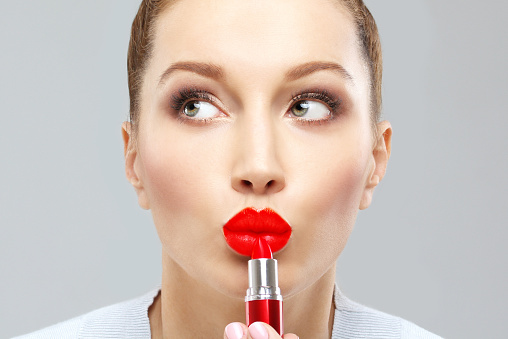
column 315, row 305
column 186, row 308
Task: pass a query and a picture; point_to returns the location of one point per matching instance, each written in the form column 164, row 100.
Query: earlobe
column 132, row 170
column 380, row 155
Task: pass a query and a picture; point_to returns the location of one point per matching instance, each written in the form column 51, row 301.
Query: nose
column 257, row 168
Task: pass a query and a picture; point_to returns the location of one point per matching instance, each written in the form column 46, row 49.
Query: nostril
column 258, row 186
column 247, row 183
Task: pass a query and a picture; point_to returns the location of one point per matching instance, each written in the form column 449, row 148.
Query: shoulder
column 353, row 320
column 128, row 319
column 67, row 329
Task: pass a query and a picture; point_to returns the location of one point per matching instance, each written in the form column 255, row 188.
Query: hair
column 143, row 34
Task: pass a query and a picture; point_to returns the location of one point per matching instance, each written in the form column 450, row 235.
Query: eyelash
column 317, row 95
column 184, row 95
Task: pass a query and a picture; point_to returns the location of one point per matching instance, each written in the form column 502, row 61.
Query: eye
column 200, row 110
column 310, row 110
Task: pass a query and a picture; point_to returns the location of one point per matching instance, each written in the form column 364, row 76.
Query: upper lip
column 251, row 220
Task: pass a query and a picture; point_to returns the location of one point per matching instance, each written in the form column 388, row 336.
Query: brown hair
column 143, row 32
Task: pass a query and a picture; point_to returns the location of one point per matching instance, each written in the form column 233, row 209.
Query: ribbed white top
column 353, row 320
column 129, row 320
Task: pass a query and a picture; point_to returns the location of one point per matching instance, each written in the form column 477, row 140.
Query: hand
column 257, row 330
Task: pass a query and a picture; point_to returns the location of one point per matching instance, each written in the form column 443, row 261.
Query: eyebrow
column 201, row 68
column 308, row 68
column 215, row 72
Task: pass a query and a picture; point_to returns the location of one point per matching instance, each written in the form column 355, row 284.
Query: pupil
column 301, row 108
column 192, row 108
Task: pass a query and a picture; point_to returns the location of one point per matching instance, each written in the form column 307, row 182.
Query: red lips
column 244, row 229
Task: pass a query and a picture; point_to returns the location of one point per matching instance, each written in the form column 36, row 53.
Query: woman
column 248, row 107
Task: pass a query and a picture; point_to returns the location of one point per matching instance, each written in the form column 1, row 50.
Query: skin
column 195, row 175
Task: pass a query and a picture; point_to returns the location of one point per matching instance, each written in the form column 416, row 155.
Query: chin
column 229, row 279
column 295, row 276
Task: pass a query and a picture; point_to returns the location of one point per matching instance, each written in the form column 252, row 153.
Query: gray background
column 430, row 249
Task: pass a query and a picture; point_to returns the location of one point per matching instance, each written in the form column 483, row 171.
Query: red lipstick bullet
column 263, row 301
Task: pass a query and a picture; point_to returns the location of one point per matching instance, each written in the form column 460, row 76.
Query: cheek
column 333, row 199
column 329, row 190
column 167, row 177
column 178, row 167
column 333, row 178
column 339, row 200
column 179, row 179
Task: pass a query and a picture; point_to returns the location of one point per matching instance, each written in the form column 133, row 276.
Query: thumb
column 259, row 330
column 235, row 331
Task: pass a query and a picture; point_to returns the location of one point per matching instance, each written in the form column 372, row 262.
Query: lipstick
column 263, row 301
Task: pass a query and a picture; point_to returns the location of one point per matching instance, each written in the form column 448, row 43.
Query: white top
column 129, row 319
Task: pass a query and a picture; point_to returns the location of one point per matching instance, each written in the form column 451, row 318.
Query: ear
column 133, row 167
column 380, row 155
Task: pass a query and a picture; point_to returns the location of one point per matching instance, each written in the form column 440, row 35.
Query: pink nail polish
column 258, row 331
column 234, row 331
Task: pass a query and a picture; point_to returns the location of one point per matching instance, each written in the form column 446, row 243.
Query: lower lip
column 243, row 240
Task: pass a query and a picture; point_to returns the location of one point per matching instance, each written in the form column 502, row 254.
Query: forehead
column 256, row 35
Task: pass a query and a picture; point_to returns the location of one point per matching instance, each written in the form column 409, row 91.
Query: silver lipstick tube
column 263, row 280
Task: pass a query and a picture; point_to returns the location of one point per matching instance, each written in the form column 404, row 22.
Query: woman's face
column 260, row 104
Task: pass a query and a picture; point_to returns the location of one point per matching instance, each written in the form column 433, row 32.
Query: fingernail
column 258, row 331
column 234, row 331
